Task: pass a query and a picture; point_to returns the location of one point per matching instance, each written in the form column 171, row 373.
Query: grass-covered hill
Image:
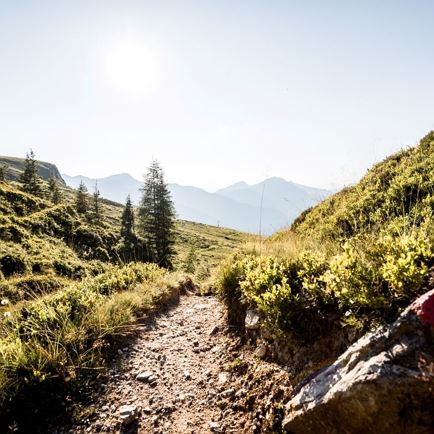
column 355, row 260
column 66, row 294
column 399, row 190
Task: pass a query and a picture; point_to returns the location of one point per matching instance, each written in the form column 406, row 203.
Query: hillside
column 237, row 207
column 63, row 282
column 398, row 190
column 356, row 259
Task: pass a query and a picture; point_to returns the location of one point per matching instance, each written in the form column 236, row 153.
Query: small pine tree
column 81, row 203
column 129, row 239
column 127, row 228
column 29, row 178
column 2, row 173
column 96, row 207
column 190, row 261
column 55, row 194
column 51, row 185
column 156, row 215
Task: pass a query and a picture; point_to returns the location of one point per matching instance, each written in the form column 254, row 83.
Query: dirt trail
column 185, row 374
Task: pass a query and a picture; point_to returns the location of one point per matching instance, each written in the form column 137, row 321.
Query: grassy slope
column 69, row 299
column 354, row 260
column 210, row 243
column 400, row 187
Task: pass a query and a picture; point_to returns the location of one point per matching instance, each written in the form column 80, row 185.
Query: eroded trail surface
column 185, row 374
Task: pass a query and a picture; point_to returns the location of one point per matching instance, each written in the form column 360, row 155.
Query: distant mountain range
column 237, row 206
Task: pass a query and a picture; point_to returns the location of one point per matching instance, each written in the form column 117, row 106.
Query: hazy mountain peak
column 237, row 206
column 275, row 180
column 237, row 186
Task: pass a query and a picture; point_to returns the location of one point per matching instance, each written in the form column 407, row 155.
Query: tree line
column 146, row 233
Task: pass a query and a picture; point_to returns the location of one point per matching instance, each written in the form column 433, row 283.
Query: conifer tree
column 190, row 261
column 57, row 196
column 127, row 228
column 81, row 203
column 51, row 185
column 96, row 207
column 29, row 178
column 2, row 173
column 156, row 215
column 129, row 239
column 54, row 191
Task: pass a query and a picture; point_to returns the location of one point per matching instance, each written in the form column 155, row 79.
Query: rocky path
column 185, row 374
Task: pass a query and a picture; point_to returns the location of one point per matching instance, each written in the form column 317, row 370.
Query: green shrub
column 19, row 202
column 101, row 254
column 29, row 287
column 351, row 279
column 12, row 264
column 368, row 281
column 12, row 232
column 406, row 263
column 285, row 293
column 68, row 269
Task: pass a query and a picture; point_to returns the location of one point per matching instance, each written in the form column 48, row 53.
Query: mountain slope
column 398, row 190
column 193, row 203
column 115, row 187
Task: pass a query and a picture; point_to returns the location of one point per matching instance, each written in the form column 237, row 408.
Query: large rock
column 384, row 383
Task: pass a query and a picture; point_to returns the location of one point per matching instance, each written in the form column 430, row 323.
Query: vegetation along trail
column 185, row 374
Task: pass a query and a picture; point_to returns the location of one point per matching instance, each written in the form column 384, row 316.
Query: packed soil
column 187, row 373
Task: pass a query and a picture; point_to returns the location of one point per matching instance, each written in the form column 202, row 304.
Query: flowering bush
column 370, row 279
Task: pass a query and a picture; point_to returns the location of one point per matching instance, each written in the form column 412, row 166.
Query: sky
column 217, row 91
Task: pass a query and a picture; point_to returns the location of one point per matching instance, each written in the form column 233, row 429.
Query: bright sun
column 132, row 68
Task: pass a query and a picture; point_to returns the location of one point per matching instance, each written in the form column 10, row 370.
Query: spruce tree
column 190, row 261
column 29, row 178
column 2, row 173
column 57, row 196
column 54, row 191
column 127, row 228
column 81, row 204
column 156, row 216
column 129, row 239
column 96, row 207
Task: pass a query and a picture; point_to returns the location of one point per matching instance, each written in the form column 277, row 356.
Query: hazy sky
column 217, row 91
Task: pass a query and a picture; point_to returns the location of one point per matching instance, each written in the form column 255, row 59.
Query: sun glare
column 132, row 68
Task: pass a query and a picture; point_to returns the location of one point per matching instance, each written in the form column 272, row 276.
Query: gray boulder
column 384, row 383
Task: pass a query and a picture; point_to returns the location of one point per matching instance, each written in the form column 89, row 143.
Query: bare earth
column 202, row 380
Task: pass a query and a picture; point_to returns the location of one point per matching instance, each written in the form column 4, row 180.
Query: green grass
column 65, row 336
column 211, row 245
